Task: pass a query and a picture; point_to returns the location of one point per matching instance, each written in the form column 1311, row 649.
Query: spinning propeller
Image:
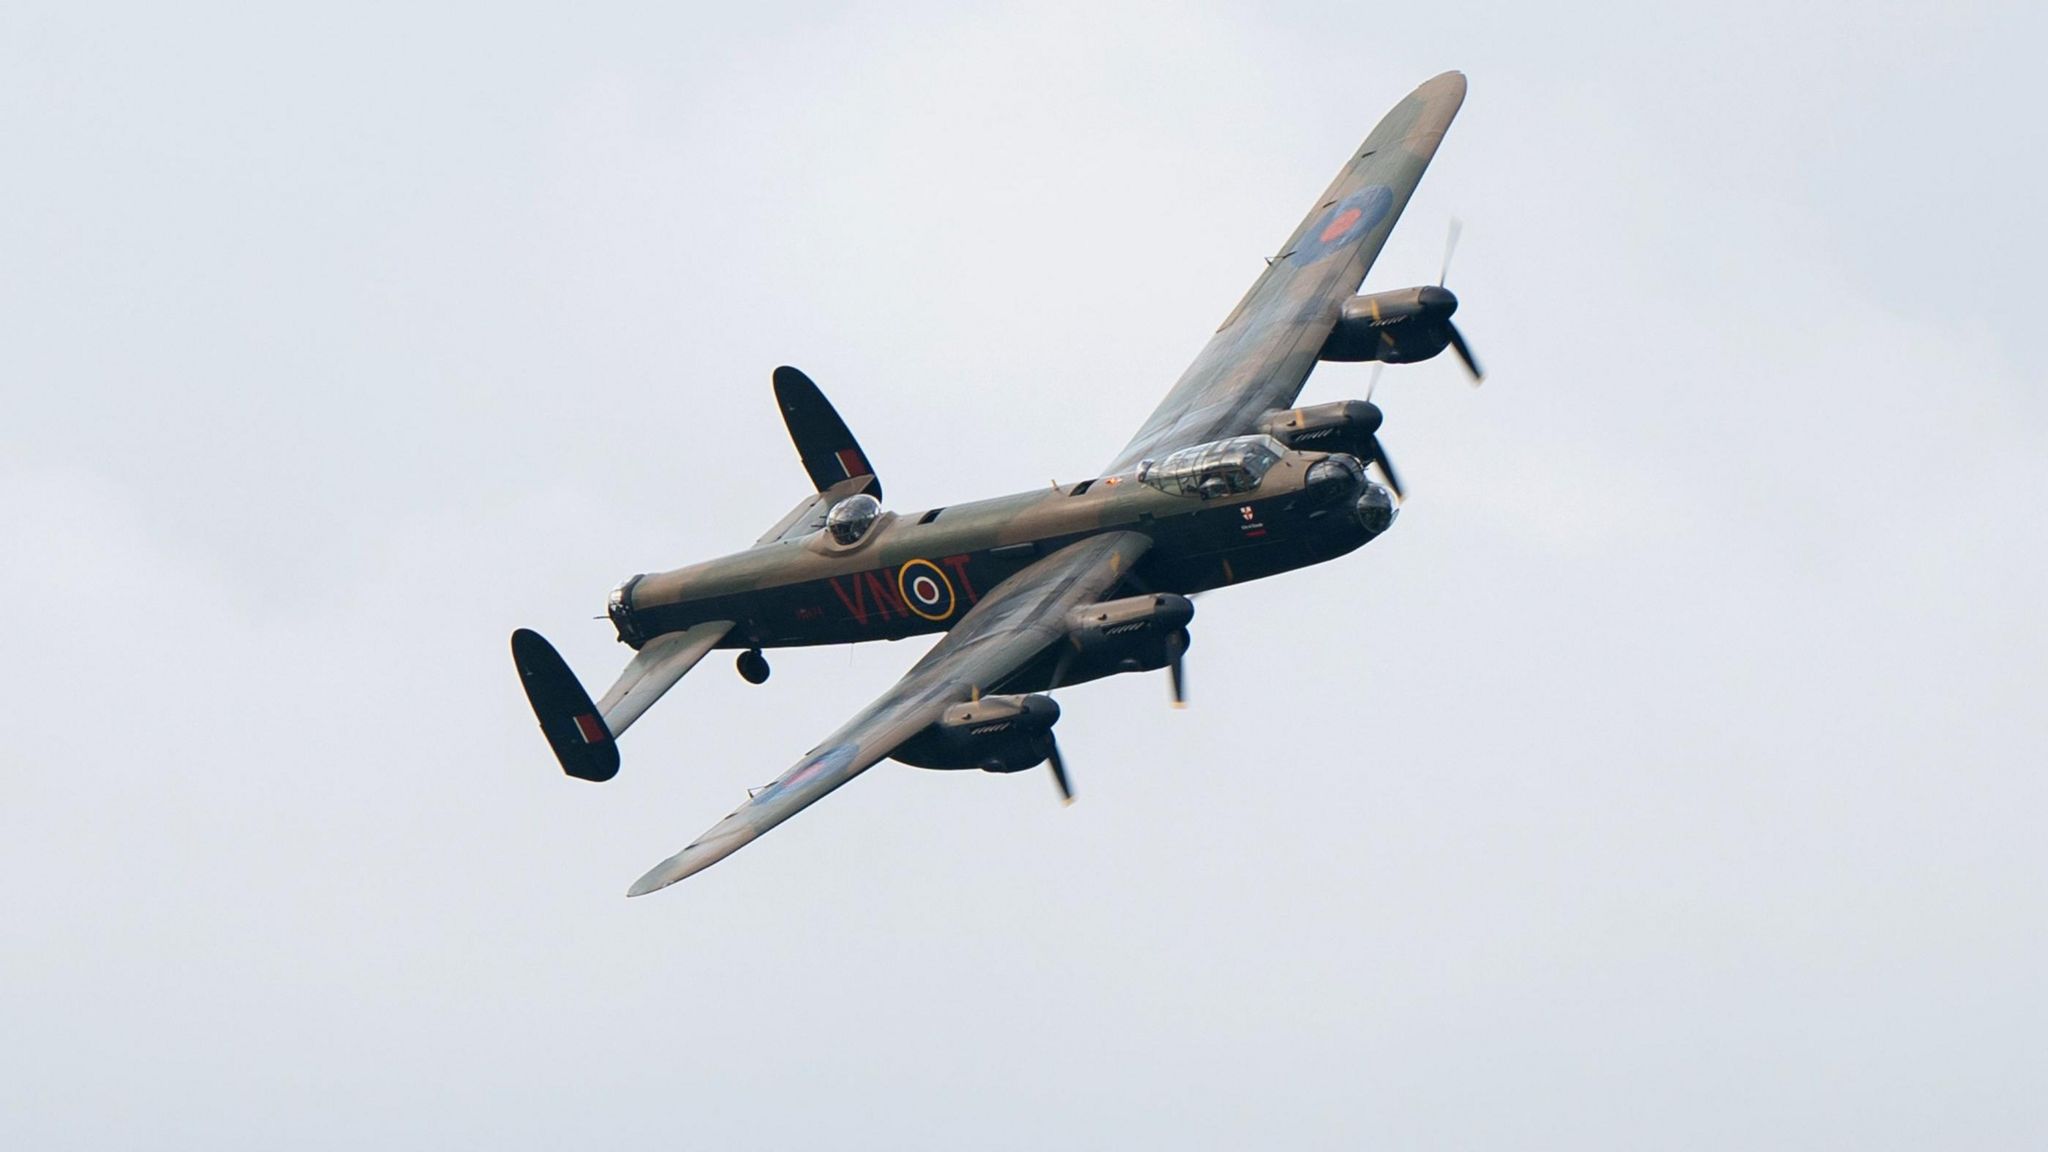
column 1059, row 770
column 1176, row 671
column 1458, row 345
column 1438, row 298
column 1379, row 452
column 1176, row 668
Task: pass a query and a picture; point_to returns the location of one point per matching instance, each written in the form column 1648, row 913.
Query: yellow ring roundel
column 925, row 590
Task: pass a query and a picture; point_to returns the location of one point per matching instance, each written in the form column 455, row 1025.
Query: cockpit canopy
column 1223, row 468
column 851, row 518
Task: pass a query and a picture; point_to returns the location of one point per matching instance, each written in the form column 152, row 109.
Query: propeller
column 1059, row 770
column 1379, row 451
column 1053, row 759
column 1458, row 345
column 1464, row 353
column 1386, row 464
column 1059, row 670
column 1176, row 669
column 1176, row 653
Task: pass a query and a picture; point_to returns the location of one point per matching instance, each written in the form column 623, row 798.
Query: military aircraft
column 1225, row 482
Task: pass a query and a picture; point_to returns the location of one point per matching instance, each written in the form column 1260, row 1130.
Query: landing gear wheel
column 753, row 666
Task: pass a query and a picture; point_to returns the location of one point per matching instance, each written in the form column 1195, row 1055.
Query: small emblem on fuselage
column 925, row 589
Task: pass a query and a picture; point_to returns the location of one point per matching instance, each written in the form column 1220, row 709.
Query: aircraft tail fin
column 585, row 735
column 829, row 452
column 568, row 719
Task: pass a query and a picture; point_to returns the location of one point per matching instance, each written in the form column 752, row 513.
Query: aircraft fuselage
column 915, row 574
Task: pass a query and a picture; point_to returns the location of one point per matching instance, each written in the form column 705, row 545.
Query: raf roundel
column 925, row 589
column 1343, row 222
column 1015, row 584
column 833, row 759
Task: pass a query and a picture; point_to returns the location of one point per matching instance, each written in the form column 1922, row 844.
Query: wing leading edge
column 1014, row 623
column 1263, row 353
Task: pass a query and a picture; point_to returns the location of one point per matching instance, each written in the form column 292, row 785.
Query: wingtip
column 1443, row 85
column 722, row 841
column 663, row 874
column 681, row 866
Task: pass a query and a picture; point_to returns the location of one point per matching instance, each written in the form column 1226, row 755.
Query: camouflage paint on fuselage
column 916, row 574
column 1025, row 586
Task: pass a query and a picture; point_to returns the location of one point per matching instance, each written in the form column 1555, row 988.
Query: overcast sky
column 1669, row 777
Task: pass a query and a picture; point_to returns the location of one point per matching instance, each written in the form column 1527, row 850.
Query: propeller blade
column 1380, row 457
column 1059, row 670
column 1451, row 234
column 1464, row 353
column 1176, row 670
column 1373, row 385
column 1059, row 774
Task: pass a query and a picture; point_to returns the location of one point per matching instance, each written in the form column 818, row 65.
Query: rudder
column 827, row 447
column 572, row 724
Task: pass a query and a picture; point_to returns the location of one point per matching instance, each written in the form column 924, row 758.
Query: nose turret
column 1334, row 478
column 1375, row 509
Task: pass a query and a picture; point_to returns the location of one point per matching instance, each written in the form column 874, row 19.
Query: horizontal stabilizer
column 828, row 449
column 809, row 514
column 655, row 669
column 568, row 719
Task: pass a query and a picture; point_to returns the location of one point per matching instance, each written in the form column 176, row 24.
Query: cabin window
column 1225, row 468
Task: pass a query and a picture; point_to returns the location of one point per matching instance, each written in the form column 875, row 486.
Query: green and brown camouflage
column 916, row 573
column 1225, row 482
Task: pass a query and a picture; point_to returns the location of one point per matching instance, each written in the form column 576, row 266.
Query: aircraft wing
column 1014, row 623
column 1263, row 353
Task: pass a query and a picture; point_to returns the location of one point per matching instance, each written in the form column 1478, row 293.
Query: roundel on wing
column 1343, row 222
column 925, row 589
column 833, row 759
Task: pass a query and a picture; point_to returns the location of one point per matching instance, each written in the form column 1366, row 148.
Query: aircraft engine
column 994, row 734
column 1398, row 327
column 1349, row 431
column 1343, row 426
column 1135, row 634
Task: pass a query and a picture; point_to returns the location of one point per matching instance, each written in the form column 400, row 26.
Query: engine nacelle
column 1398, row 327
column 1342, row 426
column 994, row 734
column 1134, row 634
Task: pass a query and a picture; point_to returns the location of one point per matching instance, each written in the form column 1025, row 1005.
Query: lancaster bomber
column 1225, row 482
